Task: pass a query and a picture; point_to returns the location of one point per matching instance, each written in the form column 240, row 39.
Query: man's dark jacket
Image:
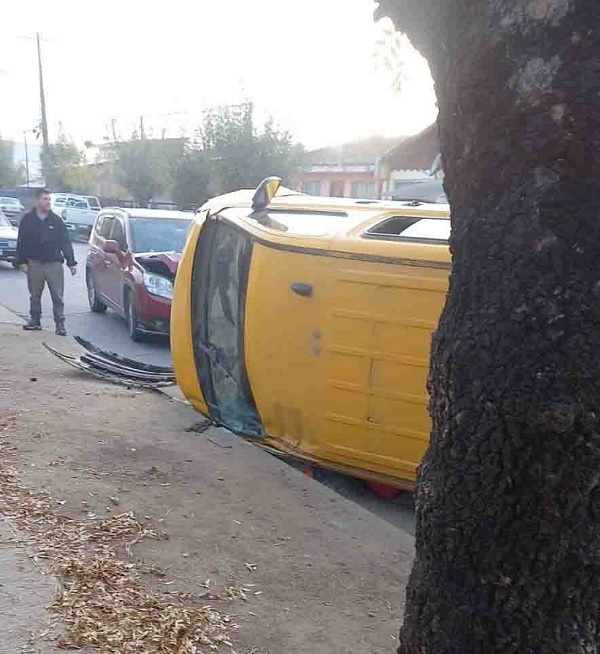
column 44, row 240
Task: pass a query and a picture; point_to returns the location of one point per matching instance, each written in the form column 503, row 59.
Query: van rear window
column 411, row 228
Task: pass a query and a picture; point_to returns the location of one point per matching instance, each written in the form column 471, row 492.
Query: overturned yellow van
column 305, row 323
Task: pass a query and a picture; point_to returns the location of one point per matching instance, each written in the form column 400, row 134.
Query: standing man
column 43, row 246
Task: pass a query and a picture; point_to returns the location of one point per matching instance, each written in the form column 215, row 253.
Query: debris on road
column 112, row 367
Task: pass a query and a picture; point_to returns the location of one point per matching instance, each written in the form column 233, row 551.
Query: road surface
column 109, row 331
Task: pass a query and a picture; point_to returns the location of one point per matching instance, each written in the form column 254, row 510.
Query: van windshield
column 159, row 235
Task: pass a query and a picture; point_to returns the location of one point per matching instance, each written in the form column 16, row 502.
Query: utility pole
column 142, row 132
column 45, row 138
column 26, row 157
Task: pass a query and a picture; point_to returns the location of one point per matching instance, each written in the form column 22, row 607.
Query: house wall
column 331, row 182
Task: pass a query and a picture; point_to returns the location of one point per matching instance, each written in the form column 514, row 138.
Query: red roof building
column 348, row 170
column 372, row 168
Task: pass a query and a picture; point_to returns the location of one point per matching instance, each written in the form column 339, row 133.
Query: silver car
column 11, row 208
column 8, row 240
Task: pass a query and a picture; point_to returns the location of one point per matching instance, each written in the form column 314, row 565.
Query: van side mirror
column 111, row 247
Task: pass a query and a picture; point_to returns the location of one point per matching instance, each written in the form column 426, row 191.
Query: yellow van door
column 380, row 323
column 286, row 309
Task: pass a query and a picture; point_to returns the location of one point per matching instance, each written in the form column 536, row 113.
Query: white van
column 78, row 211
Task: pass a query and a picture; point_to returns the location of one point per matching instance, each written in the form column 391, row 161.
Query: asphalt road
column 109, row 331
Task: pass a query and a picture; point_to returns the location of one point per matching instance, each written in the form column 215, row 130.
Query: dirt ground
column 323, row 575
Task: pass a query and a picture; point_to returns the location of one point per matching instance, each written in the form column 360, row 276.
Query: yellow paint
column 338, row 378
column 265, row 193
column 181, row 334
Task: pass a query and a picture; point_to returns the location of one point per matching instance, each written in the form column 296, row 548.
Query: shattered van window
column 220, row 338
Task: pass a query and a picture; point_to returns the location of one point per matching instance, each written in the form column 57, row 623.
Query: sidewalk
column 8, row 317
column 321, row 575
column 24, row 594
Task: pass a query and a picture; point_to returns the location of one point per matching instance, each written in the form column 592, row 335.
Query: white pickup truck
column 78, row 211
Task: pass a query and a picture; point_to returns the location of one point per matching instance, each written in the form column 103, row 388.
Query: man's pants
column 38, row 274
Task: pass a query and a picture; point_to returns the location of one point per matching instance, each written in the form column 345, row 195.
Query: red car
column 131, row 265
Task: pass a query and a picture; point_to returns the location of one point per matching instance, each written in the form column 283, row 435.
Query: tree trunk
column 508, row 498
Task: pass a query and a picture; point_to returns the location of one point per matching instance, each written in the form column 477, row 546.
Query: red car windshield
column 159, row 234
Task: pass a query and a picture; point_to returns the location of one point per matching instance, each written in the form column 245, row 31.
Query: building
column 348, row 170
column 414, row 160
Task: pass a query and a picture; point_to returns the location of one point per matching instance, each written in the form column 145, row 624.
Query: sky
column 309, row 64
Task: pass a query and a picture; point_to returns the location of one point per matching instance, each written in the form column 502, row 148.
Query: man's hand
column 24, row 268
column 73, row 270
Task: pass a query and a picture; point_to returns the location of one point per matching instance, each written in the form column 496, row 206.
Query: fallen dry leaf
column 101, row 597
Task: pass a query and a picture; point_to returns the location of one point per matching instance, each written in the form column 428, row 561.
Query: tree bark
column 508, row 497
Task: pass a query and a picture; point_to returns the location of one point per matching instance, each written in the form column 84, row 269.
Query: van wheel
column 133, row 325
column 95, row 305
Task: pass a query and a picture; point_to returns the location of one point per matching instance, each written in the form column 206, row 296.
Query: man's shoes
column 32, row 326
column 60, row 330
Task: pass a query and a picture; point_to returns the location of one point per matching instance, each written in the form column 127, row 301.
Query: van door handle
column 305, row 290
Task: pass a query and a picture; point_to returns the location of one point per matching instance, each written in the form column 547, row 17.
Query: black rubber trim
column 107, row 375
column 117, row 358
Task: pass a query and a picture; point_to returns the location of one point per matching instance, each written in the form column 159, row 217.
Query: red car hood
column 161, row 263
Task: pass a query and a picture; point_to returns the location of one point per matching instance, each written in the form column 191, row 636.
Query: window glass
column 363, row 190
column 412, row 227
column 312, row 188
column 159, row 234
column 428, row 229
column 107, row 224
column 219, row 293
column 98, row 225
column 118, row 234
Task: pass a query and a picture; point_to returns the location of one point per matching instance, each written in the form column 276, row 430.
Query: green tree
column 239, row 154
column 508, row 495
column 10, row 175
column 192, row 177
column 145, row 166
column 61, row 165
column 277, row 154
